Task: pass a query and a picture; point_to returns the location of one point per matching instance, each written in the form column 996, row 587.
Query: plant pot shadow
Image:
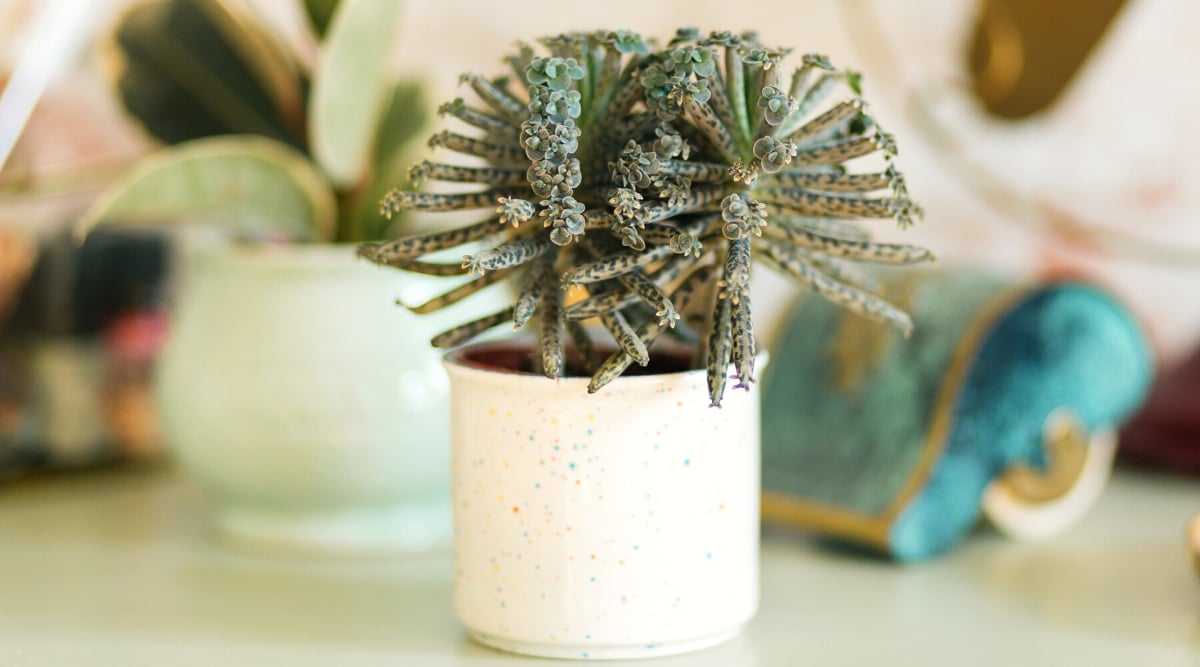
column 825, row 546
column 401, row 604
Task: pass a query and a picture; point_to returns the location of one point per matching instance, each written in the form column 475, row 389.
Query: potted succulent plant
column 278, row 387
column 632, row 187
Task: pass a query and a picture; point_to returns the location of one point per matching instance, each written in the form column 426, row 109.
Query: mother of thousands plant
column 630, row 178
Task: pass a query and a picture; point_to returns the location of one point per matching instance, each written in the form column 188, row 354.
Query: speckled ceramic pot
column 622, row 524
column 310, row 407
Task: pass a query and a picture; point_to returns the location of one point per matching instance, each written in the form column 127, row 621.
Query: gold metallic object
column 1025, row 53
column 999, row 55
column 1065, row 442
column 1028, row 503
column 17, row 256
column 1193, row 542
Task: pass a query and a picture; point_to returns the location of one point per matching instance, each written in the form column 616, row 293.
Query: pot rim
column 455, row 365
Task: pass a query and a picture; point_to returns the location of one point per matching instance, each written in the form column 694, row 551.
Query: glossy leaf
column 350, row 92
column 245, row 184
column 320, row 13
column 193, row 68
column 406, row 116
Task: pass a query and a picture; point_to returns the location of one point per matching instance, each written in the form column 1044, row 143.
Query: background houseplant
column 256, row 140
column 634, row 186
column 279, row 383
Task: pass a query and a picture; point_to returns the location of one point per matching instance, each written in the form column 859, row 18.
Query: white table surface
column 118, row 568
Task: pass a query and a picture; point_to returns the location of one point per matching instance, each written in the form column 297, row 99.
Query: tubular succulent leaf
column 638, row 176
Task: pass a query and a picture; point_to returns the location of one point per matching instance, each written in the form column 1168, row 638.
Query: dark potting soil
column 520, row 359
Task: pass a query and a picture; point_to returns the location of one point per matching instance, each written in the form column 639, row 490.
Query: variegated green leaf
column 350, row 94
column 246, row 184
column 196, row 68
column 320, row 12
column 406, row 116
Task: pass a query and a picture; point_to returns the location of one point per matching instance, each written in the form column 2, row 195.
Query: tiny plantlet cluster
column 626, row 184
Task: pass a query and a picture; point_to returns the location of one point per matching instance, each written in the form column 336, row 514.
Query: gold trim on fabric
column 943, row 411
column 865, row 528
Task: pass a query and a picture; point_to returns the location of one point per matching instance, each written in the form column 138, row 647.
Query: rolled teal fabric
column 890, row 443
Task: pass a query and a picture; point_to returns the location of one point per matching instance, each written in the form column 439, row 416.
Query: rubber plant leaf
column 350, row 91
column 188, row 69
column 320, row 12
column 406, row 116
column 246, row 184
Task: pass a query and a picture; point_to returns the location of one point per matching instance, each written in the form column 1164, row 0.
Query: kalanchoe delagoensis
column 635, row 178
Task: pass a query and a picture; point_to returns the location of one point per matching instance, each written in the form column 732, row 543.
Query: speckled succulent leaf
column 639, row 178
column 459, row 293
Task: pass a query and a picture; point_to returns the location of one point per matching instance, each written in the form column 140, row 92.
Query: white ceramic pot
column 309, row 404
column 623, row 524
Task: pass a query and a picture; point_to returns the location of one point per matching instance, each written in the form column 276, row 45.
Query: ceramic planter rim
column 457, row 365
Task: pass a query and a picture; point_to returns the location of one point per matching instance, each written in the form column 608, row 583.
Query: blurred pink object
column 137, row 336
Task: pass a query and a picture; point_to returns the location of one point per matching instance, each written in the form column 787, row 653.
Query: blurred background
column 1043, row 138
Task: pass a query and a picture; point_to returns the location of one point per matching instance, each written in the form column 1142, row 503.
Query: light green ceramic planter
column 308, row 404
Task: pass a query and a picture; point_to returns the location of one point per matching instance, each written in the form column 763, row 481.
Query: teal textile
column 857, row 446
